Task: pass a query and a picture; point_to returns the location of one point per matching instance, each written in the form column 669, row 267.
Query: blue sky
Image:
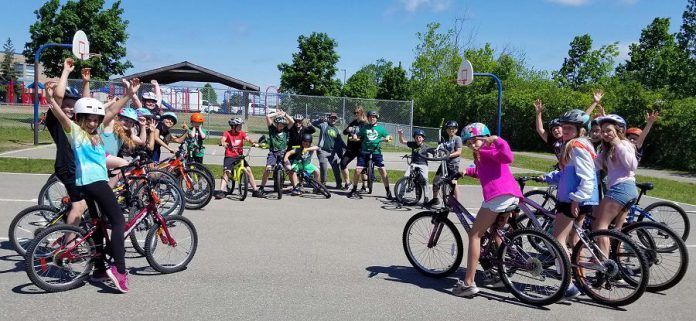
column 248, row 39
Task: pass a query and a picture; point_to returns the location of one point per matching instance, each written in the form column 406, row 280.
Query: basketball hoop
column 465, row 74
column 80, row 45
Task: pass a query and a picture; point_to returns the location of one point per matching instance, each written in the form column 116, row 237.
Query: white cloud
column 624, row 50
column 574, row 3
column 434, row 5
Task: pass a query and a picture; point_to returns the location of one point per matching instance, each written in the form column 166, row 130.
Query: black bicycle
column 409, row 189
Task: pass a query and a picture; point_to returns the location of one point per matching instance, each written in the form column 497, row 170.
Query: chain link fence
column 218, row 105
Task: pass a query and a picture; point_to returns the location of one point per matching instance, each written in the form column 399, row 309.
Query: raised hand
column 86, row 74
column 538, row 106
column 132, row 86
column 69, row 65
column 154, row 82
column 597, row 96
column 652, row 117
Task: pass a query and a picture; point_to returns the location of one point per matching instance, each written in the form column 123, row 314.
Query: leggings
column 99, row 194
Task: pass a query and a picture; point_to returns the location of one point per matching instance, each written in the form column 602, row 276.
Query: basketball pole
column 500, row 96
column 37, row 56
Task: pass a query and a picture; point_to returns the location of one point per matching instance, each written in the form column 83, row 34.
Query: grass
column 21, row 137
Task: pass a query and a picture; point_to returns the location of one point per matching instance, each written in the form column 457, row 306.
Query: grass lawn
column 21, row 137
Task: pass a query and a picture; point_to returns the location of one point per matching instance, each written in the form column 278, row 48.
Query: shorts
column 623, row 193
column 309, row 168
column 229, row 162
column 564, row 208
column 501, row 203
column 348, row 157
column 363, row 159
column 451, row 169
column 274, row 158
column 68, row 181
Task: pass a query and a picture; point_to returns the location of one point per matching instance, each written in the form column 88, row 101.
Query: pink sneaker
column 119, row 279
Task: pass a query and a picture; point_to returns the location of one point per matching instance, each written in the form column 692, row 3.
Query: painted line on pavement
column 31, row 174
column 691, row 245
column 34, row 200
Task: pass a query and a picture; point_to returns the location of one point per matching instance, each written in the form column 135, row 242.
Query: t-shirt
column 454, row 143
column 112, row 143
column 556, row 145
column 195, row 139
column 65, row 161
column 371, row 136
column 295, row 136
column 277, row 140
column 330, row 137
column 353, row 128
column 416, row 157
column 235, row 142
column 302, row 156
column 90, row 158
column 164, row 135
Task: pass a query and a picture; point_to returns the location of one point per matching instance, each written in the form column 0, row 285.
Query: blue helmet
column 129, row 113
column 576, row 117
column 554, row 123
column 451, row 124
column 171, row 116
column 475, row 130
column 612, row 118
column 144, row 112
column 418, row 132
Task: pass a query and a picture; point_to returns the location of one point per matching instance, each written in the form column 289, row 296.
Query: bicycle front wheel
column 52, row 192
column 243, row 185
column 534, row 277
column 665, row 251
column 53, row 264
column 28, row 223
column 543, row 198
column 407, row 191
column 617, row 278
column 201, row 188
column 434, row 247
column 169, row 255
column 319, row 187
column 278, row 181
column 671, row 215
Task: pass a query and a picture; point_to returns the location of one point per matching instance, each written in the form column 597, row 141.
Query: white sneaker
column 463, row 290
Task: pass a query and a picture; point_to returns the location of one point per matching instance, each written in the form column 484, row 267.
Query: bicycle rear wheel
column 52, row 192
column 444, row 256
column 319, row 186
column 50, row 264
column 171, row 255
column 28, row 223
column 201, row 191
column 626, row 271
column 243, row 186
column 665, row 251
column 202, row 168
column 407, row 191
column 370, row 177
column 532, row 276
column 671, row 215
column 543, row 198
column 172, row 197
column 278, row 181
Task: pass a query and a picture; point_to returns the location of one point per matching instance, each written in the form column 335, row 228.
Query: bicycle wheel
column 320, row 187
column 202, row 168
column 52, row 192
column 665, row 251
column 444, row 256
column 532, row 276
column 243, row 186
column 139, row 233
column 669, row 214
column 171, row 255
column 407, row 191
column 278, row 181
column 543, row 198
column 619, row 277
column 370, row 177
column 201, row 191
column 52, row 266
column 172, row 197
column 28, row 223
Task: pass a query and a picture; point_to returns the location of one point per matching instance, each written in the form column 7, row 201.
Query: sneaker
column 258, row 193
column 354, row 194
column 492, row 280
column 433, row 202
column 571, row 293
column 363, row 190
column 119, row 279
column 295, row 191
column 99, row 276
column 345, row 187
column 219, row 195
column 389, row 196
column 461, row 289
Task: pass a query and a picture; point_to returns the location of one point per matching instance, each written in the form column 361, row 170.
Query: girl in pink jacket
column 492, row 156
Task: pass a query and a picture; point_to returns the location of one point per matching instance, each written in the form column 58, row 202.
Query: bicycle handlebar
column 523, row 179
column 440, row 153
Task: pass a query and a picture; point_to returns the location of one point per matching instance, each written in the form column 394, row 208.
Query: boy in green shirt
column 278, row 124
column 371, row 135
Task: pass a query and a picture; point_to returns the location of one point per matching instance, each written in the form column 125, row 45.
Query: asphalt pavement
column 299, row 258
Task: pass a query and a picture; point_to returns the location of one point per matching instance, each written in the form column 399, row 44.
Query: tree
column 361, row 84
column 687, row 34
column 584, row 65
column 313, row 68
column 7, row 68
column 209, row 94
column 394, row 84
column 105, row 29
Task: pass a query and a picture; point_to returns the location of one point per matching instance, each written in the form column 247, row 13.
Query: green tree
column 313, row 67
column 361, row 84
column 7, row 68
column 584, row 65
column 105, row 29
column 394, row 84
column 687, row 34
column 209, row 94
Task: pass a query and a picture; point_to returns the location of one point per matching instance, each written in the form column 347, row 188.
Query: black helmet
column 554, row 123
column 71, row 93
column 298, row 117
column 307, row 138
column 372, row 113
column 418, row 132
column 451, row 123
column 576, row 117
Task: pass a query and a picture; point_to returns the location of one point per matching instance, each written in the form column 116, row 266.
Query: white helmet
column 149, row 95
column 89, row 106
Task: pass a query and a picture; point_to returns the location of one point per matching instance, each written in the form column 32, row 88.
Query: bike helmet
column 280, row 120
column 594, row 122
column 197, row 118
column 298, row 117
column 144, row 112
column 71, row 93
column 634, row 131
column 171, row 116
column 451, row 124
column 129, row 113
column 89, row 106
column 475, row 130
column 372, row 113
column 235, row 121
column 307, row 138
column 554, row 123
column 418, row 132
column 614, row 119
column 149, row 96
column 576, row 117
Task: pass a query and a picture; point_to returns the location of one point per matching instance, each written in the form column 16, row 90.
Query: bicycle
column 239, row 177
column 62, row 256
column 198, row 187
column 409, row 189
column 304, row 178
column 434, row 247
column 41, row 122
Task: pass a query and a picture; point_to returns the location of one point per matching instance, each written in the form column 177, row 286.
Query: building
column 25, row 70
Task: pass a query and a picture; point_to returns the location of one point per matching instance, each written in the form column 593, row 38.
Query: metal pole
column 344, row 111
column 37, row 56
column 500, row 97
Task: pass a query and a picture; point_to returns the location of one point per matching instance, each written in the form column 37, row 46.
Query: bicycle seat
column 645, row 186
